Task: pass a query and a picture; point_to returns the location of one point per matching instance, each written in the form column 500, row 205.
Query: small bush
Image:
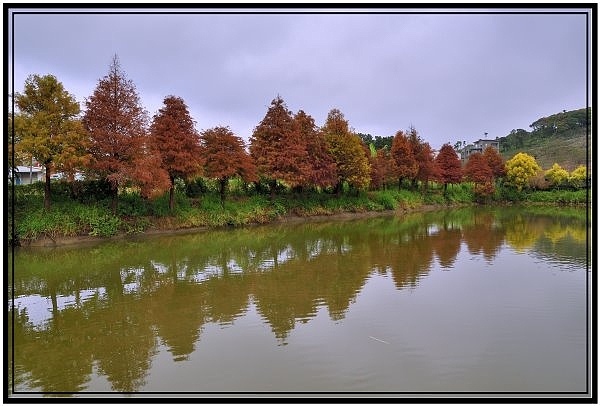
column 104, row 226
column 133, row 204
column 388, row 199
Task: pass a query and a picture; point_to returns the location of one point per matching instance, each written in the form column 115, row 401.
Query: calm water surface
column 486, row 300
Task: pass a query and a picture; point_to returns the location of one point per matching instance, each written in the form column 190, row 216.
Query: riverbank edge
column 290, row 218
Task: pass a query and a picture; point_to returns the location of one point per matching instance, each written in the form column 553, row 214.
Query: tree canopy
column 117, row 124
column 521, row 168
column 174, row 138
column 322, row 170
column 226, row 157
column 404, row 163
column 47, row 127
column 346, row 148
column 495, row 161
column 449, row 166
column 277, row 148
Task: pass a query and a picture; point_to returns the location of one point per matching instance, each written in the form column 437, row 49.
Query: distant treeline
column 563, row 124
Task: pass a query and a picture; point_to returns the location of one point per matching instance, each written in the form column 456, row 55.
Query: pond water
column 485, row 301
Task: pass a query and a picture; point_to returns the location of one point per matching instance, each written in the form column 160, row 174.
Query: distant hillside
column 559, row 138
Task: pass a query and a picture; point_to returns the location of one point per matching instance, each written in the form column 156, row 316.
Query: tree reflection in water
column 111, row 306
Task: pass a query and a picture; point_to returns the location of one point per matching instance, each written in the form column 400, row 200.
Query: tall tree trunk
column 273, row 187
column 47, row 188
column 222, row 189
column 115, row 199
column 172, row 193
column 339, row 187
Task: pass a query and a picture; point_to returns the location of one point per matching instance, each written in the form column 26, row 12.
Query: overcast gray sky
column 451, row 76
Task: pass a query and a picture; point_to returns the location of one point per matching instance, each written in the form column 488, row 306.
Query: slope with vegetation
column 561, row 138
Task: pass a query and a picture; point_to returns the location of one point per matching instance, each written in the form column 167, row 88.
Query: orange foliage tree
column 322, row 171
column 277, row 148
column 495, row 161
column 448, row 166
column 116, row 123
column 404, row 165
column 423, row 154
column 226, row 157
column 426, row 163
column 478, row 171
column 381, row 168
column 175, row 140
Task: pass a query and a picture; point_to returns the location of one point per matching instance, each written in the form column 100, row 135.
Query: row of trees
column 114, row 140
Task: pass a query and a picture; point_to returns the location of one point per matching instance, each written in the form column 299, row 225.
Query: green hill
column 559, row 138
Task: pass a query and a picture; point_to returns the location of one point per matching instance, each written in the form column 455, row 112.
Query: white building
column 478, row 146
column 25, row 175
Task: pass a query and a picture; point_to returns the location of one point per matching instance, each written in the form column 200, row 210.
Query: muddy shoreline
column 289, row 218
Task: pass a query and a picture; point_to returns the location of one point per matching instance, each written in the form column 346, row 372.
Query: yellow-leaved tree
column 520, row 168
column 557, row 176
column 346, row 148
column 578, row 178
column 48, row 129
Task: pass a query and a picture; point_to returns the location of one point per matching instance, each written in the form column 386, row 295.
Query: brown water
column 484, row 301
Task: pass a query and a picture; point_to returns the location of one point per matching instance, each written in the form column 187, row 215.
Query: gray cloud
column 452, row 76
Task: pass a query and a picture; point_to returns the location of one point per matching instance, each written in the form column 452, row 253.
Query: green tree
column 47, row 127
column 520, row 168
column 557, row 176
column 346, row 148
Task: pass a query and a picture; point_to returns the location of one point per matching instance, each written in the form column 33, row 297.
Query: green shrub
column 388, row 199
column 565, row 197
column 104, row 226
column 133, row 204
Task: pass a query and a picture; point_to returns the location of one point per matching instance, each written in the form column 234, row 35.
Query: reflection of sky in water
column 39, row 308
column 282, row 257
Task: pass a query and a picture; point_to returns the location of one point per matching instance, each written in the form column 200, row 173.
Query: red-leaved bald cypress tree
column 321, row 166
column 478, row 171
column 277, row 148
column 448, row 165
column 116, row 123
column 495, row 161
column 176, row 141
column 404, row 165
column 226, row 157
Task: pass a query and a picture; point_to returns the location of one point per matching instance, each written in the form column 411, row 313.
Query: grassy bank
column 72, row 217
